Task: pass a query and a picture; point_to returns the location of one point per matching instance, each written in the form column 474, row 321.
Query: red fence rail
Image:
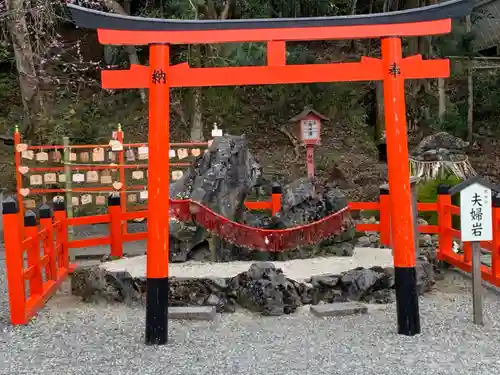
column 119, row 163
column 37, row 254
column 444, row 229
column 30, row 286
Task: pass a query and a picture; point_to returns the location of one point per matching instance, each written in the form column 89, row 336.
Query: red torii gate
column 160, row 76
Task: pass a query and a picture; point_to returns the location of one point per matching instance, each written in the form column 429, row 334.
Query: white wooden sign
column 476, row 222
column 310, row 130
column 216, row 132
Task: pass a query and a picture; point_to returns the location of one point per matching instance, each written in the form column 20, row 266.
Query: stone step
column 192, row 312
column 338, row 309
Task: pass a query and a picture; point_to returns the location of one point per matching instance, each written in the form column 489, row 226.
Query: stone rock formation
column 372, row 239
column 222, row 179
column 263, row 289
column 440, row 146
column 439, row 154
column 303, row 202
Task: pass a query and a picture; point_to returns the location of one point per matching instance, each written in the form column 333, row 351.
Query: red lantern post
column 309, row 122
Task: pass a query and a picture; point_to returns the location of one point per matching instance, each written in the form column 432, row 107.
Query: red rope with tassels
column 272, row 240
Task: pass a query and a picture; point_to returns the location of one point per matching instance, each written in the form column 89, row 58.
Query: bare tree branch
column 294, row 141
column 116, row 7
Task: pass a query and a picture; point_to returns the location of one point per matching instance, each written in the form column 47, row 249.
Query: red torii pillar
column 158, row 195
column 402, row 227
column 159, row 77
column 389, row 69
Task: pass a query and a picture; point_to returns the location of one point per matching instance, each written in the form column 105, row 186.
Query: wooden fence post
column 14, row 261
column 31, row 230
column 123, row 180
column 495, row 251
column 46, row 223
column 19, row 177
column 68, row 173
column 385, row 217
column 276, row 199
column 445, row 238
column 115, row 225
column 62, row 234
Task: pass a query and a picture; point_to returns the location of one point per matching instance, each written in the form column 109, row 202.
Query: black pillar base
column 157, row 311
column 407, row 301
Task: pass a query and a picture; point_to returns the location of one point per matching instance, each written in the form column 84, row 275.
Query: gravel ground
column 73, row 338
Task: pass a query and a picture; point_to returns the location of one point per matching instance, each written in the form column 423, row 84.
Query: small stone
column 213, row 300
column 383, row 296
column 421, row 221
column 192, row 312
column 330, row 280
column 364, row 241
column 359, row 282
column 338, row 309
column 220, row 283
column 344, row 249
column 425, row 240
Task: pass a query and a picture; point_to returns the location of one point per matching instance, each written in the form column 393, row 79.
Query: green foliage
column 367, row 214
column 487, row 97
column 84, row 118
column 427, row 193
column 457, row 43
column 8, row 84
column 243, row 54
column 454, row 122
column 324, row 162
column 6, row 55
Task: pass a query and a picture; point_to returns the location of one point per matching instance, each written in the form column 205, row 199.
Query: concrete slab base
column 192, row 312
column 297, row 269
column 338, row 309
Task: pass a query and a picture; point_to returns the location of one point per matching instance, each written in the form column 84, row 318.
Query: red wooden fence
column 45, row 246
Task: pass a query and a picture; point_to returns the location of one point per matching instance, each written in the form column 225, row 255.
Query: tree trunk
column 470, row 105
column 28, row 78
column 414, row 47
column 354, row 4
column 442, row 99
column 470, row 89
column 196, row 130
column 116, row 7
column 380, row 119
column 379, row 99
column 196, row 59
column 197, row 118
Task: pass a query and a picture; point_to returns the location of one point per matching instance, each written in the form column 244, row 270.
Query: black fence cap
column 114, row 199
column 30, row 219
column 45, row 212
column 59, row 203
column 9, row 206
column 495, row 200
column 443, row 189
